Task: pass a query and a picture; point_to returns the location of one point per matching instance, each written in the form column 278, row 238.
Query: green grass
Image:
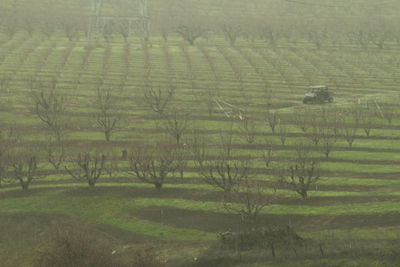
column 283, row 76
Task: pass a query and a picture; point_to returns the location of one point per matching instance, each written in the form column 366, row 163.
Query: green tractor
column 318, row 94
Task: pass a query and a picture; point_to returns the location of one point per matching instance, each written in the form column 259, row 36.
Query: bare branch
column 106, row 119
column 89, row 168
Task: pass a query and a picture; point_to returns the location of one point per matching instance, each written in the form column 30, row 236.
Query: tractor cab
column 317, row 95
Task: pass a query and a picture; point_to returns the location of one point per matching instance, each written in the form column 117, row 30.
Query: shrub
column 75, row 248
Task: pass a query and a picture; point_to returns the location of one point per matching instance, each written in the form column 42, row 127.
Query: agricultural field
column 159, row 146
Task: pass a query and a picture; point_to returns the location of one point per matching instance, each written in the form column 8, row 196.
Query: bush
column 77, row 248
column 73, row 248
column 271, row 238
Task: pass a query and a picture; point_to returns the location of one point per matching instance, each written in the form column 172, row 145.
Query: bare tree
column 355, row 112
column 5, row 82
column 181, row 159
column 56, row 154
column 302, row 173
column 176, row 123
column 11, row 24
column 247, row 199
column 351, row 123
column 231, row 31
column 8, row 140
column 387, row 112
column 328, row 140
column 23, row 168
column 190, row 33
column 68, row 24
column 49, row 107
column 165, row 22
column 302, row 119
column 350, row 133
column 367, row 122
column 248, row 129
column 158, row 99
column 123, row 28
column 282, row 129
column 272, row 120
column 48, row 24
column 222, row 171
column 111, row 166
column 268, row 154
column 90, row 168
column 153, row 164
column 106, row 118
column 269, row 32
column 29, row 21
column 316, row 130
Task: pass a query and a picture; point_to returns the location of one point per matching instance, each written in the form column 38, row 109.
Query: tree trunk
column 303, row 194
column 107, row 135
column 91, row 183
column 158, row 186
column 24, row 185
column 272, row 249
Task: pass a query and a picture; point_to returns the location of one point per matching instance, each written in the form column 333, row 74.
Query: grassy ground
column 356, row 201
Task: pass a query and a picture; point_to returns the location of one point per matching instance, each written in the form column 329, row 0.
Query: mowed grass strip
column 120, row 211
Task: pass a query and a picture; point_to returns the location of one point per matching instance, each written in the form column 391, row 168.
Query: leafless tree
column 111, row 166
column 355, row 112
column 165, row 22
column 6, row 143
column 29, row 21
column 190, row 33
column 182, row 154
column 302, row 173
column 48, row 25
column 268, row 154
column 123, row 28
column 106, row 118
column 387, row 112
column 108, row 31
column 176, row 123
column 68, row 23
column 367, row 122
column 56, row 154
column 269, row 32
column 328, row 140
column 315, row 134
column 247, row 199
column 379, row 31
column 282, row 129
column 89, row 168
column 302, row 119
column 153, row 164
column 3, row 164
column 248, row 130
column 11, row 24
column 231, row 32
column 351, row 123
column 158, row 99
column 272, row 120
column 49, row 107
column 5, row 82
column 359, row 37
column 8, row 140
column 24, row 168
column 222, row 171
column 350, row 132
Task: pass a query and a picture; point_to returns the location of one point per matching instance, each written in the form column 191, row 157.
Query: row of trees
column 190, row 22
column 224, row 169
column 230, row 172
